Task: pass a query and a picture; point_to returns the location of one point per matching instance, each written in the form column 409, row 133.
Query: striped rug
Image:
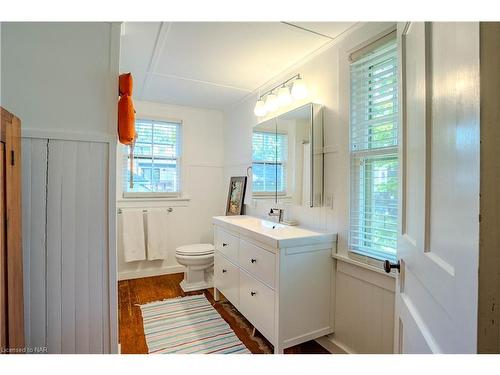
column 188, row 325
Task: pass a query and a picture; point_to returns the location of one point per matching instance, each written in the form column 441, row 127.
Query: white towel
column 133, row 235
column 157, row 234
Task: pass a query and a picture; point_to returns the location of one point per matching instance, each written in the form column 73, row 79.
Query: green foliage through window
column 269, row 154
column 156, row 158
column 374, row 153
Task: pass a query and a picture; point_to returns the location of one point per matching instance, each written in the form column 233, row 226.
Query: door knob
column 224, row 244
column 253, row 260
column 224, row 271
column 388, row 266
column 253, row 293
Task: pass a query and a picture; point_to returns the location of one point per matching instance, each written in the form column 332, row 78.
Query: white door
column 438, row 242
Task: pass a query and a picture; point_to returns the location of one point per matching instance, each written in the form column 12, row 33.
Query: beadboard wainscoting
column 65, row 245
column 364, row 310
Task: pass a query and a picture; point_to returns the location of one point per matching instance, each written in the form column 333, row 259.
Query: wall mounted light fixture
column 270, row 101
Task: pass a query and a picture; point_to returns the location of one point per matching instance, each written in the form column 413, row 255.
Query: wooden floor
column 139, row 291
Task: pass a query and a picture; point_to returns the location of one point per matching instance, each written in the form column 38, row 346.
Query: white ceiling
column 214, row 64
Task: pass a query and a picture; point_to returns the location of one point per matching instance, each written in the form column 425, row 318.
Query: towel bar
column 170, row 209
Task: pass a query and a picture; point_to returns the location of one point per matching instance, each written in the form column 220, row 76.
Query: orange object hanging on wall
column 126, row 112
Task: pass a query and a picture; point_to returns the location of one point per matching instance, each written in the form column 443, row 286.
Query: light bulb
column 299, row 89
column 284, row 97
column 271, row 103
column 260, row 108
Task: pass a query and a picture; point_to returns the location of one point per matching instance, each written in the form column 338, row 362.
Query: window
column 269, row 155
column 374, row 152
column 156, row 159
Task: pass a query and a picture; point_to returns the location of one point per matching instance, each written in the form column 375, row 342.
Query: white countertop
column 272, row 233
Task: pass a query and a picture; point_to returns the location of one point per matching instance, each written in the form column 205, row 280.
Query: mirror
column 287, row 157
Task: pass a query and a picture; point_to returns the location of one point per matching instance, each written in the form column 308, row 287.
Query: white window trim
column 156, row 196
column 353, row 255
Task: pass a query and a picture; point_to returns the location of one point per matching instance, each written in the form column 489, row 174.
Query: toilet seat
column 196, row 249
column 198, row 260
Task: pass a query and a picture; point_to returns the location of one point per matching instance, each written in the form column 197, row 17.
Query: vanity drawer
column 227, row 279
column 258, row 262
column 226, row 243
column 257, row 304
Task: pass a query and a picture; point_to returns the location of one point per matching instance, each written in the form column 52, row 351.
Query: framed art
column 236, row 195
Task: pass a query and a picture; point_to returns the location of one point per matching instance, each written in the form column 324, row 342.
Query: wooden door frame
column 13, row 257
column 489, row 235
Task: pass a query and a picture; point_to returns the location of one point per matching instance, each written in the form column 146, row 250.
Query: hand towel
column 157, row 225
column 133, row 235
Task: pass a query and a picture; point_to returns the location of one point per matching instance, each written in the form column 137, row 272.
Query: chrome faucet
column 278, row 212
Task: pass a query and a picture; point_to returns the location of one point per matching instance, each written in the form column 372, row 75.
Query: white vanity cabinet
column 278, row 277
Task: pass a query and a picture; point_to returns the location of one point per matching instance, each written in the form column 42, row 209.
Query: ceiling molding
column 200, row 81
column 157, row 50
column 307, row 30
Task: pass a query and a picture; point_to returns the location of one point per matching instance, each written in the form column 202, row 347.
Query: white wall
column 327, row 77
column 57, row 76
column 203, row 191
column 61, row 79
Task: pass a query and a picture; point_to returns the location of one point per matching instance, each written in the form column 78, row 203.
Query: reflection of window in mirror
column 269, row 162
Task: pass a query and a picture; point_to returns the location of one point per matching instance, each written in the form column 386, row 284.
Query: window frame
column 283, row 164
column 157, row 194
column 370, row 255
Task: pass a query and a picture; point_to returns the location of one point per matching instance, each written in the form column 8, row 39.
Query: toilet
column 199, row 261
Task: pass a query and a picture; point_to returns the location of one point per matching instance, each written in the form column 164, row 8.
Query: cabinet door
column 257, row 304
column 227, row 280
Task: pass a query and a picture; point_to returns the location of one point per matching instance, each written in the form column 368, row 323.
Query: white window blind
column 374, row 153
column 269, row 155
column 156, row 159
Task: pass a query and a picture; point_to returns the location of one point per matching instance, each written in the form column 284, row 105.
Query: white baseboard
column 332, row 345
column 128, row 275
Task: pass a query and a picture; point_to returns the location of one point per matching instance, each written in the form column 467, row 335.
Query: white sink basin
column 271, row 233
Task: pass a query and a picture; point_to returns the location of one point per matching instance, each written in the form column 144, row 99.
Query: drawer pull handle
column 253, row 293
column 224, row 244
column 224, row 271
column 253, row 260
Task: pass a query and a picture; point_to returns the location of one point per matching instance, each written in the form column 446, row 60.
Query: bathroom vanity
column 279, row 277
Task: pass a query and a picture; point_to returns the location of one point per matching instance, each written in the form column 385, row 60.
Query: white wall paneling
column 57, row 61
column 34, row 159
column 203, row 191
column 65, row 241
column 364, row 310
column 71, row 70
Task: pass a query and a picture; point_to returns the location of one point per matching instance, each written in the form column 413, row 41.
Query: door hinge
column 12, row 162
